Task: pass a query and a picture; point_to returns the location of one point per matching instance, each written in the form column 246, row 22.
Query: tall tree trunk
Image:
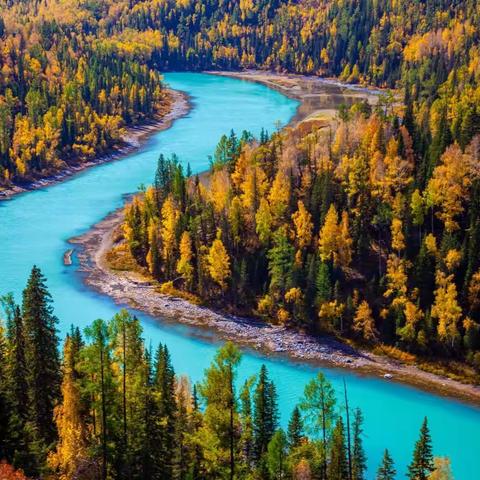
column 104, row 419
column 324, row 431
column 232, row 453
column 349, row 445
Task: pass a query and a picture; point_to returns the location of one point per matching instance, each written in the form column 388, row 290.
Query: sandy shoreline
column 133, row 139
column 131, row 289
column 319, row 97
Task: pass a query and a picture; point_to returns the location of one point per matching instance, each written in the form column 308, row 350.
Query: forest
column 365, row 227
column 347, row 229
column 116, row 409
column 74, row 71
column 63, row 96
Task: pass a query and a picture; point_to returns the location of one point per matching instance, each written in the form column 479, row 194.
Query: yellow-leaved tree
column 334, row 242
column 446, row 309
column 448, row 188
column 71, row 446
column 184, row 264
column 219, row 262
column 364, row 323
column 328, row 239
column 303, row 226
column 170, row 216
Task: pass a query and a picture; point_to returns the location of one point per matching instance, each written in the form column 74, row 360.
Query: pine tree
column 183, row 430
column 129, row 361
column 5, row 411
column 265, row 414
column 338, row 467
column 102, row 389
column 318, row 405
column 323, row 283
column 295, row 429
column 221, row 423
column 280, row 262
column 164, row 383
column 42, row 358
column 422, row 463
column 16, row 386
column 247, row 440
column 196, row 470
column 386, row 470
column 359, row 459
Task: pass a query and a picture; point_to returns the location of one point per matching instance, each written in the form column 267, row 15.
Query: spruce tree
column 422, row 463
column 265, row 415
column 323, row 283
column 42, row 358
column 386, row 470
column 4, row 407
column 295, row 429
column 338, row 465
column 196, row 420
column 165, row 386
column 15, row 385
column 359, row 459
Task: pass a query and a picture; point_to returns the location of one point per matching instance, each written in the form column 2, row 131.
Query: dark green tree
column 295, row 429
column 422, row 463
column 276, row 455
column 102, row 389
column 359, row 459
column 338, row 465
column 323, row 283
column 165, row 385
column 15, row 385
column 42, row 359
column 386, row 470
column 265, row 413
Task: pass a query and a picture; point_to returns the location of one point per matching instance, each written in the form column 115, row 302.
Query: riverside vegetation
column 339, row 228
column 115, row 409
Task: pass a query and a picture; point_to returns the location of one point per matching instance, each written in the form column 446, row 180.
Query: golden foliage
column 302, row 221
column 363, row 322
column 219, row 262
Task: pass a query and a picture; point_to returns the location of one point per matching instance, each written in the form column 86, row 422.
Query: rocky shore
column 132, row 140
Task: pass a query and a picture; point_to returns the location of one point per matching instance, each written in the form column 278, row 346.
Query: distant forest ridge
column 74, row 72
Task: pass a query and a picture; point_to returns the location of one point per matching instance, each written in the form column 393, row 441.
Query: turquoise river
column 35, row 226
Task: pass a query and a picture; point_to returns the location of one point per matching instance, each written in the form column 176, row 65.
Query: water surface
column 35, row 226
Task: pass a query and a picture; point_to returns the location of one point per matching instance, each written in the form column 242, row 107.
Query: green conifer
column 386, row 470
column 422, row 463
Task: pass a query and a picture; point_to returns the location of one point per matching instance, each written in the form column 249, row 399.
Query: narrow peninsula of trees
column 349, row 227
